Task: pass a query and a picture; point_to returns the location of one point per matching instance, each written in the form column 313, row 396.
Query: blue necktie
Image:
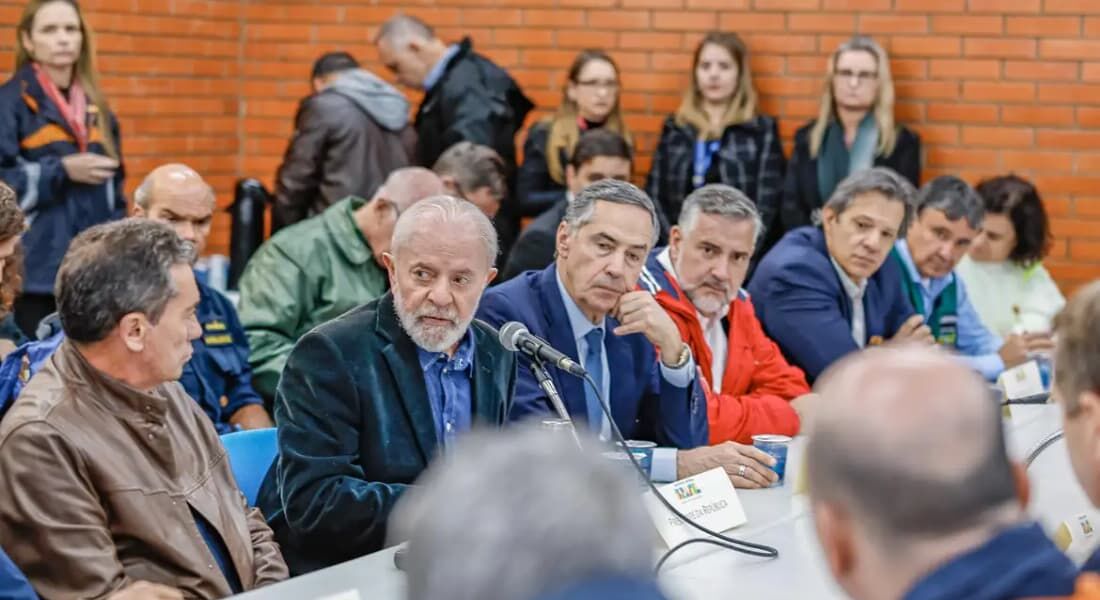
column 593, row 363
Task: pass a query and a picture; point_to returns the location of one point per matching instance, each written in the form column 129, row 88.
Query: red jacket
column 758, row 384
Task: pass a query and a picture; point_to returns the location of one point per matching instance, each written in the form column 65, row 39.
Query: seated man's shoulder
column 513, row 292
column 795, row 256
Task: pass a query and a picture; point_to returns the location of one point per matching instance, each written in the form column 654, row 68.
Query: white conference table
column 776, row 517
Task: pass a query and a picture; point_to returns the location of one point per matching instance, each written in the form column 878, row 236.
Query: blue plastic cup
column 775, row 446
column 642, row 451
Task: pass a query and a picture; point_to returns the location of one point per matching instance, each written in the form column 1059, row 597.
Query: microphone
column 515, row 337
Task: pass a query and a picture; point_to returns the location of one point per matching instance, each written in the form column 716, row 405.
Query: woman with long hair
column 717, row 135
column 59, row 146
column 590, row 99
column 12, row 225
column 1004, row 273
column 854, row 130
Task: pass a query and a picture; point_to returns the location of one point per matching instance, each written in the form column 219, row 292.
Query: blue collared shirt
column 663, row 467
column 977, row 345
column 436, row 73
column 447, row 379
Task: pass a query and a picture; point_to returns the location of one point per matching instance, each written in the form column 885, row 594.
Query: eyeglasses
column 610, row 86
column 861, row 77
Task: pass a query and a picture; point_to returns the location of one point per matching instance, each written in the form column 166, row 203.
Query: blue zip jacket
column 33, row 139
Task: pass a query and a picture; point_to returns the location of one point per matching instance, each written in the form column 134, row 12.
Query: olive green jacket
column 306, row 274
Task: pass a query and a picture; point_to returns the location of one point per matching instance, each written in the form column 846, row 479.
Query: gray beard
column 432, row 339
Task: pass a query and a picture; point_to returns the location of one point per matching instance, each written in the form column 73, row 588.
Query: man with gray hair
column 949, row 215
column 823, row 293
column 697, row 280
column 110, row 473
column 367, row 400
column 586, row 306
column 474, row 172
column 320, row 268
column 911, row 489
column 557, row 534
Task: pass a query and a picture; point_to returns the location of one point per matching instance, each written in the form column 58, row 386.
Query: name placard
column 1022, row 381
column 708, row 498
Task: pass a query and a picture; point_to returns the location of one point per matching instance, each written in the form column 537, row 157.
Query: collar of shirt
column 577, row 321
column 932, row 285
column 664, row 258
column 854, row 291
column 436, row 73
column 462, row 360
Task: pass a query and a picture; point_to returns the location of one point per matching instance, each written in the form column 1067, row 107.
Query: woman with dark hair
column 717, row 135
column 854, row 130
column 1004, row 273
column 590, row 100
column 12, row 225
column 59, row 145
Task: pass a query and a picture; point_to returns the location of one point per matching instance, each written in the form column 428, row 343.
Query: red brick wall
column 991, row 85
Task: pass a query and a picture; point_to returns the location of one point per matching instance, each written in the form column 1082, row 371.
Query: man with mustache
column 585, row 306
column 949, row 218
column 367, row 400
column 697, row 280
column 820, row 292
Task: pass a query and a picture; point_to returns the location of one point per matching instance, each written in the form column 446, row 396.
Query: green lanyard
column 945, row 308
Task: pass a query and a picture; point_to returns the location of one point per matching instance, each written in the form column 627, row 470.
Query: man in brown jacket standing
column 348, row 136
column 110, row 475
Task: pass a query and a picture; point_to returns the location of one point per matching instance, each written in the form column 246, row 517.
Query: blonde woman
column 717, row 136
column 58, row 145
column 590, row 100
column 854, row 130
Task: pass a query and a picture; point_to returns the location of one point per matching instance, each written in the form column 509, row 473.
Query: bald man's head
column 406, row 186
column 910, row 442
column 175, row 194
column 403, row 188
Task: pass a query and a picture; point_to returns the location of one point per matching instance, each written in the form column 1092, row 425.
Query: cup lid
column 771, row 438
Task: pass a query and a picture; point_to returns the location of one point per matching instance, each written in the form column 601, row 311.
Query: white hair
column 441, row 211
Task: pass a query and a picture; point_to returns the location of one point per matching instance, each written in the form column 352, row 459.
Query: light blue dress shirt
column 977, row 345
column 447, row 379
column 437, row 69
column 663, row 467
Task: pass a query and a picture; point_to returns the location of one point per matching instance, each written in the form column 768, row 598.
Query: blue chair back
column 251, row 453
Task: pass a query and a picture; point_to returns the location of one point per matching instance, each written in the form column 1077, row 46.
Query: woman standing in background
column 590, row 100
column 854, row 130
column 1004, row 273
column 59, row 145
column 717, row 136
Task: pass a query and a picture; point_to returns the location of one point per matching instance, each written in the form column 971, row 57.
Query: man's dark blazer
column 356, row 428
column 643, row 404
column 803, row 306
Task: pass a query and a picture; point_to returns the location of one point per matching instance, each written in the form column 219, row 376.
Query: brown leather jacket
column 347, row 140
column 98, row 481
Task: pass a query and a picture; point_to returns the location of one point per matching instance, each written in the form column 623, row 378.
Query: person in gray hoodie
column 350, row 134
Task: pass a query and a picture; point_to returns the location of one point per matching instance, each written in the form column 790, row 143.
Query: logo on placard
column 1086, row 525
column 687, row 490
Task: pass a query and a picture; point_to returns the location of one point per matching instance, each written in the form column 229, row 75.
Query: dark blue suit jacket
column 804, row 308
column 643, row 404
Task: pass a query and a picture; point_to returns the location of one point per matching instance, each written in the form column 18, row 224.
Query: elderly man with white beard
column 369, row 399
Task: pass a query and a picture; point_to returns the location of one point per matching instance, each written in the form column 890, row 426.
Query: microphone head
column 510, row 333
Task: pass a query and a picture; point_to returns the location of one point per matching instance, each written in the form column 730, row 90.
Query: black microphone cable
column 724, row 541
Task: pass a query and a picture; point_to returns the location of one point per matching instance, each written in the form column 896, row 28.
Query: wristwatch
column 682, row 360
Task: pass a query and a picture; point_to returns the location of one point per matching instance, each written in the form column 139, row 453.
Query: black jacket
column 534, row 250
column 749, row 159
column 536, row 191
column 356, row 428
column 347, row 140
column 476, row 101
column 800, row 195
